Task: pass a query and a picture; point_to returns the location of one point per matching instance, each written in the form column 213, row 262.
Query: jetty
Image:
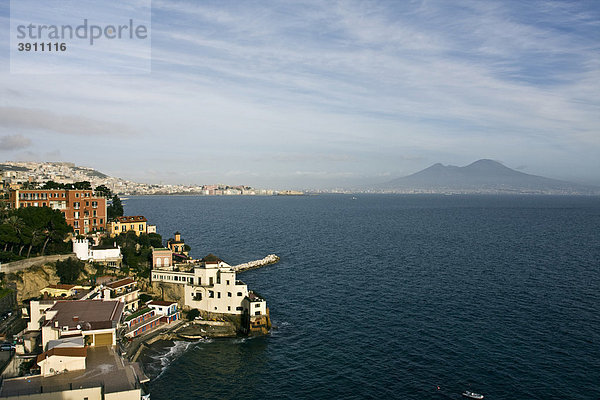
column 268, row 260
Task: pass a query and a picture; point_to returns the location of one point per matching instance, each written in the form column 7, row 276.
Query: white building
column 212, row 286
column 108, row 255
column 94, row 320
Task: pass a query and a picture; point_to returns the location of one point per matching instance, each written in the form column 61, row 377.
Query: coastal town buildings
column 84, row 211
column 167, row 310
column 152, row 315
column 62, row 358
column 109, row 256
column 125, row 291
column 92, row 373
column 78, row 359
column 137, row 224
column 162, row 257
column 177, row 245
column 212, row 287
column 96, row 321
column 63, row 290
column 15, row 174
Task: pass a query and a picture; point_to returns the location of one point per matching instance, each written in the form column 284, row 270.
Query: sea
column 394, row 297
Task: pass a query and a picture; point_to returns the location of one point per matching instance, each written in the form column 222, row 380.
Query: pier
column 268, row 260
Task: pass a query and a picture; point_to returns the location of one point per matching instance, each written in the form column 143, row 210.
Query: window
column 211, row 294
column 76, row 194
column 76, row 205
column 87, row 203
column 228, row 294
column 100, row 221
column 257, row 313
column 239, row 308
column 141, row 227
column 227, row 282
column 116, row 227
column 240, row 294
column 94, row 221
column 228, row 308
column 76, row 214
column 95, row 213
column 95, row 204
column 218, row 295
column 256, row 305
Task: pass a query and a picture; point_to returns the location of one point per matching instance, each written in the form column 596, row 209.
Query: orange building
column 82, row 210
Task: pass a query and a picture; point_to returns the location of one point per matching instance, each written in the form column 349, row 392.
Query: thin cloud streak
column 332, row 82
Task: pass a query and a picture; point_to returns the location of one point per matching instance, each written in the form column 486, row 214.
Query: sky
column 315, row 94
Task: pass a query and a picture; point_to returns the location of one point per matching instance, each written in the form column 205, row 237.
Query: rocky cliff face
column 168, row 292
column 30, row 281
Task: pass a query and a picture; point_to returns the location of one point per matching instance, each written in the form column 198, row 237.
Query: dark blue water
column 390, row 296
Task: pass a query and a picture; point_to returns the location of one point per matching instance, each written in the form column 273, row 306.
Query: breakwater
column 268, row 260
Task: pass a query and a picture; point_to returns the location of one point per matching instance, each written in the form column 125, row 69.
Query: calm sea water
column 387, row 297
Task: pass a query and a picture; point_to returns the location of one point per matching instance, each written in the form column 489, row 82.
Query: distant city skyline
column 313, row 95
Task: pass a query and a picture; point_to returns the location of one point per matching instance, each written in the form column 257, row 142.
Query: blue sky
column 315, row 94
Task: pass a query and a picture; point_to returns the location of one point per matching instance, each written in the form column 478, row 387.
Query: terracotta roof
column 135, row 218
column 120, row 282
column 161, row 303
column 63, row 351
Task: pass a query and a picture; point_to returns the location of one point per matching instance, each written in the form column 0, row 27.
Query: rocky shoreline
column 193, row 330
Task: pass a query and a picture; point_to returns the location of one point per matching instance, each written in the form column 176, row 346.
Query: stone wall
column 20, row 265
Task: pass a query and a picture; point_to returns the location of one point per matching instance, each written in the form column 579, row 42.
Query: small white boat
column 472, row 395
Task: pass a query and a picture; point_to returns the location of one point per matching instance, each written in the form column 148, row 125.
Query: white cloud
column 14, row 142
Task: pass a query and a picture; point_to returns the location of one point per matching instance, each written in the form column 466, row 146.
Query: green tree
column 210, row 257
column 53, row 185
column 42, row 224
column 11, row 231
column 116, row 208
column 69, row 270
column 155, row 240
column 83, row 185
column 103, row 191
column 192, row 314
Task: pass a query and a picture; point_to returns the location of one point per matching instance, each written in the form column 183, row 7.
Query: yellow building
column 137, row 223
column 62, row 290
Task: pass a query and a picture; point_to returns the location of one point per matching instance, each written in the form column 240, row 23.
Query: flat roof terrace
column 104, row 369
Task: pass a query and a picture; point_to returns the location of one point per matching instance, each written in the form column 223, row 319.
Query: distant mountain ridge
column 482, row 176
